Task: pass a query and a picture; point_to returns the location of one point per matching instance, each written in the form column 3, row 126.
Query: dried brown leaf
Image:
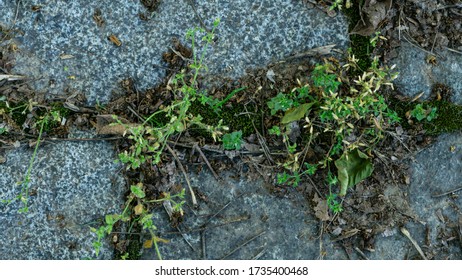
column 321, row 209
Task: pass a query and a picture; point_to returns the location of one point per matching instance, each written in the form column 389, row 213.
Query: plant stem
column 25, row 188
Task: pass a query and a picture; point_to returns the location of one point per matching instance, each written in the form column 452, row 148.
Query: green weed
column 149, row 141
column 232, row 141
column 356, row 115
column 421, row 113
column 139, row 215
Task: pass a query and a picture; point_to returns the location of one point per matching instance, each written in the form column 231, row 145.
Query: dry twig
column 195, row 146
column 416, row 245
column 193, row 196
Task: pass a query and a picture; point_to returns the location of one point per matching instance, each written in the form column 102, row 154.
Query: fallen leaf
column 147, row 244
column 321, row 209
column 353, row 167
column 270, row 75
column 373, row 13
column 253, row 148
column 106, row 125
column 17, row 144
column 66, row 56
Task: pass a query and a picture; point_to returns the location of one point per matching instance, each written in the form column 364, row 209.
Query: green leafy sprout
column 421, row 113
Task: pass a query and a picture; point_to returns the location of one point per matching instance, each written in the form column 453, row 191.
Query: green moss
column 59, row 107
column 235, row 118
column 17, row 114
column 360, row 45
column 448, row 119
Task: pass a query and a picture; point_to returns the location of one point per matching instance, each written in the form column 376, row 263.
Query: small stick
column 11, row 78
column 185, row 239
column 361, row 253
column 135, row 113
column 193, row 196
column 453, row 50
column 206, row 161
column 417, row 46
column 261, row 141
column 180, row 55
column 321, row 255
column 259, row 254
column 222, row 208
column 197, row 15
column 187, row 231
column 204, row 251
column 408, row 235
column 242, row 245
column 446, row 193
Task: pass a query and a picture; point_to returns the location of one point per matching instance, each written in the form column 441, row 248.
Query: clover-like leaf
column 353, row 167
column 137, row 191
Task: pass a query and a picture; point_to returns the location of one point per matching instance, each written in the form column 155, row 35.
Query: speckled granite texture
column 438, row 169
column 287, row 227
column 416, row 75
column 75, row 184
column 251, row 34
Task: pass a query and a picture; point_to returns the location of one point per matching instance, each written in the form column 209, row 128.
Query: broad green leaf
column 294, row 114
column 136, row 190
column 353, row 167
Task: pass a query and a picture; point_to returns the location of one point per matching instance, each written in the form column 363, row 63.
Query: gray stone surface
column 74, row 181
column 251, row 34
column 75, row 184
column 438, row 169
column 289, row 230
column 416, row 75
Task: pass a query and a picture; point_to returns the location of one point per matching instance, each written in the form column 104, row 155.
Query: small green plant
column 217, row 104
column 339, row 4
column 138, row 214
column 282, row 102
column 354, row 116
column 232, row 141
column 332, row 202
column 3, row 129
column 149, row 141
column 44, row 121
column 374, row 40
column 323, row 76
column 421, row 113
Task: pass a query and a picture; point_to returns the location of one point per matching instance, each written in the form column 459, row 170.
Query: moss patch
column 449, row 115
column 234, row 117
column 449, row 118
column 360, row 45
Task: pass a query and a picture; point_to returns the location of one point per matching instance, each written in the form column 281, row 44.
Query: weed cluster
column 148, row 141
column 138, row 214
column 352, row 112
